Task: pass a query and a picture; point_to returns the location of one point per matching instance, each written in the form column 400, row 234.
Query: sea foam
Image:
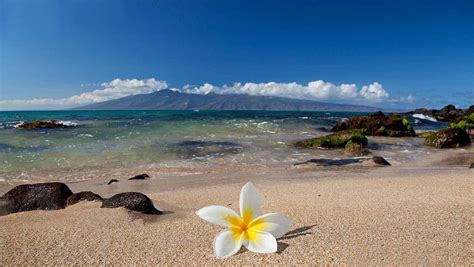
column 424, row 117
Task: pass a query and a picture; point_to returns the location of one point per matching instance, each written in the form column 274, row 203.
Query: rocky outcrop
column 336, row 140
column 377, row 124
column 42, row 124
column 448, row 113
column 82, row 196
column 133, row 201
column 43, row 196
column 448, row 138
column 466, row 122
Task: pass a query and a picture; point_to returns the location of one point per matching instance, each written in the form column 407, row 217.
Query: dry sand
column 375, row 216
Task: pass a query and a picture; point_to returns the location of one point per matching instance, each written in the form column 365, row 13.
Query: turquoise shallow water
column 171, row 138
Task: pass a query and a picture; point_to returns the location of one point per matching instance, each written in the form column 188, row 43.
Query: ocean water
column 122, row 139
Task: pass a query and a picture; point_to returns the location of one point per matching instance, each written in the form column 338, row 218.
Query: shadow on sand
column 293, row 234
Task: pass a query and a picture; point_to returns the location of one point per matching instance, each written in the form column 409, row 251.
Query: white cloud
column 314, row 90
column 374, row 92
column 112, row 90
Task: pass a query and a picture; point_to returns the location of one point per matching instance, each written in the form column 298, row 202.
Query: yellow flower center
column 241, row 227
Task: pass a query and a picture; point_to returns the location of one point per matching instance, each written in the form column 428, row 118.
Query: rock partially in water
column 448, row 138
column 466, row 123
column 377, row 124
column 336, row 140
column 356, row 149
column 380, row 161
column 139, row 177
column 83, row 196
column 112, row 181
column 133, row 201
column 426, row 134
column 448, row 113
column 373, row 161
column 43, row 124
column 43, row 196
column 471, row 166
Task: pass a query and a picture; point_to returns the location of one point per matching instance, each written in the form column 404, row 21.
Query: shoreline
column 381, row 216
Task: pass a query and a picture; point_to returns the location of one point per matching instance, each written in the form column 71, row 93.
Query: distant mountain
column 169, row 99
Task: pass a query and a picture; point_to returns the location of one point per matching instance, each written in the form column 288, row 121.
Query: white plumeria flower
column 256, row 232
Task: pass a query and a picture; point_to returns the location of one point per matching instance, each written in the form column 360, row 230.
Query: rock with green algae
column 377, row 124
column 42, row 124
column 335, row 140
column 448, row 138
column 356, row 149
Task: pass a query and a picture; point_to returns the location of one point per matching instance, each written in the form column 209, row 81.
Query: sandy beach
column 375, row 216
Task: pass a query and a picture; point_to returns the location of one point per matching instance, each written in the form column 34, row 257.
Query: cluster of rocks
column 377, row 124
column 448, row 113
column 55, row 196
column 350, row 134
column 142, row 176
column 43, row 124
column 460, row 119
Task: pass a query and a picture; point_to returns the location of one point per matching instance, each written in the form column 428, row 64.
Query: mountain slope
column 169, row 99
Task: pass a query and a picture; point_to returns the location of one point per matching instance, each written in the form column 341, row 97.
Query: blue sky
column 404, row 53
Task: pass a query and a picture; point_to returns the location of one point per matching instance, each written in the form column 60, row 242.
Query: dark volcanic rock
column 380, row 161
column 374, row 161
column 336, row 140
column 356, row 149
column 48, row 124
column 448, row 138
column 448, row 113
column 132, row 201
column 44, row 196
column 377, row 124
column 139, row 177
column 113, row 181
column 82, row 196
column 471, row 166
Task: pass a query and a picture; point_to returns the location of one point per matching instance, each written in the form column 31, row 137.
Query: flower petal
column 227, row 243
column 250, row 202
column 260, row 242
column 273, row 223
column 219, row 215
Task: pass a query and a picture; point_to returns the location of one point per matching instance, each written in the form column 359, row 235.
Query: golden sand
column 381, row 216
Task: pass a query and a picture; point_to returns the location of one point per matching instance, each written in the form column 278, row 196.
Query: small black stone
column 381, row 161
column 132, row 201
column 139, row 177
column 113, row 181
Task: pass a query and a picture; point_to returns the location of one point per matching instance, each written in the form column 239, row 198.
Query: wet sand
column 372, row 215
